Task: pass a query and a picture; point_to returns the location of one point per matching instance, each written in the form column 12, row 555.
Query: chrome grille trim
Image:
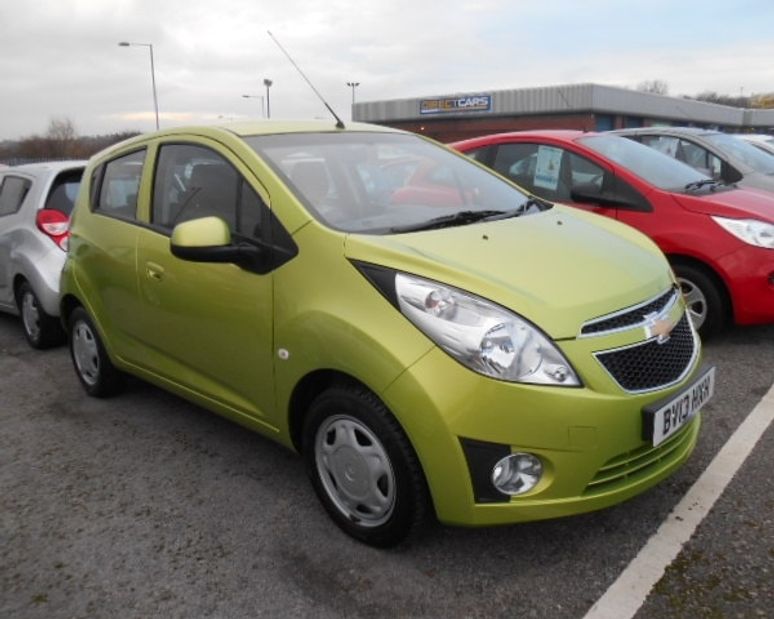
column 696, row 344
column 662, row 302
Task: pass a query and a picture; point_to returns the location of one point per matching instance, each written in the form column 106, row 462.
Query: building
column 588, row 107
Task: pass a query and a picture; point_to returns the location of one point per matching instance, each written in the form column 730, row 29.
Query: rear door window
column 117, row 195
column 12, row 193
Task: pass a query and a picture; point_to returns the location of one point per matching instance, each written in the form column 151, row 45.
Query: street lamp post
column 263, row 109
column 153, row 73
column 353, row 85
column 267, row 82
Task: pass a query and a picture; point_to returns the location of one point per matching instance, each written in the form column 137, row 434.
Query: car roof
column 566, row 135
column 665, row 131
column 46, row 166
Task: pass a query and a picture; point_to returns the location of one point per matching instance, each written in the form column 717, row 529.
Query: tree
column 62, row 138
column 656, row 87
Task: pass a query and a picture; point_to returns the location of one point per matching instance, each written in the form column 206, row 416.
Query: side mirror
column 209, row 240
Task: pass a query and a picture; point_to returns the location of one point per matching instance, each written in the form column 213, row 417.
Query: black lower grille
column 651, row 365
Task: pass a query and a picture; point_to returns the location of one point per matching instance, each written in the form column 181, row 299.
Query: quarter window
column 12, row 193
column 120, row 183
column 194, row 181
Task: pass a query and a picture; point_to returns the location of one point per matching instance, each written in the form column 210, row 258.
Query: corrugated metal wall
column 573, row 98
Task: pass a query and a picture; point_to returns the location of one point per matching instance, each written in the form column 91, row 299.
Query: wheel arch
column 304, row 393
column 722, row 287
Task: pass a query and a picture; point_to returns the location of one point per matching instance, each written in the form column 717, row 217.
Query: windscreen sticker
column 547, row 168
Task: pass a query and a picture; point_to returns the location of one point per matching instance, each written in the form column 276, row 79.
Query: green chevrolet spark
column 435, row 341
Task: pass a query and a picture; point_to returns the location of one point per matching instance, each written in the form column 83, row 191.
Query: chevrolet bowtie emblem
column 658, row 327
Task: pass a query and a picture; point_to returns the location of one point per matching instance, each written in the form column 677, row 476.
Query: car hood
column 737, row 203
column 559, row 268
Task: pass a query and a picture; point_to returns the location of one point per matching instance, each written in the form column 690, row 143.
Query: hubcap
column 695, row 300
column 355, row 470
column 30, row 315
column 85, row 353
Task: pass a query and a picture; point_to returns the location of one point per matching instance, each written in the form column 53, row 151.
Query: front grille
column 650, row 365
column 631, row 466
column 628, row 317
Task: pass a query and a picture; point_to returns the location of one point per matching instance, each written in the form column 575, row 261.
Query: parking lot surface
column 145, row 505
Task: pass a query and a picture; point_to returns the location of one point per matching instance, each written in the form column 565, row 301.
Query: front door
column 206, row 327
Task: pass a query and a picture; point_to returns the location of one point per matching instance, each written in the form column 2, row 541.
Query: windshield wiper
column 702, row 183
column 457, row 219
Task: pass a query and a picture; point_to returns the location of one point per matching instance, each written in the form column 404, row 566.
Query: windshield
column 734, row 147
column 650, row 165
column 382, row 182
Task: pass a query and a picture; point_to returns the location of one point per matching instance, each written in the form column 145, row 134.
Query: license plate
column 662, row 419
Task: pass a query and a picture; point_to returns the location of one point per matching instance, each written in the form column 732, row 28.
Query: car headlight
column 483, row 336
column 751, row 231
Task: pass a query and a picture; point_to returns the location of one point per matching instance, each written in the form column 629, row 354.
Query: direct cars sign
column 463, row 103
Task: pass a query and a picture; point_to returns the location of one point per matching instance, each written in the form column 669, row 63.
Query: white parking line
column 629, row 592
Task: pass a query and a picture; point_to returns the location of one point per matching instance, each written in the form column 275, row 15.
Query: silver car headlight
column 751, row 231
column 483, row 336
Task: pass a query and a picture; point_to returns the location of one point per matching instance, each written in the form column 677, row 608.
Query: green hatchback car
column 432, row 339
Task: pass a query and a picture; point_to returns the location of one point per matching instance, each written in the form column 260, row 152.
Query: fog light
column 517, row 473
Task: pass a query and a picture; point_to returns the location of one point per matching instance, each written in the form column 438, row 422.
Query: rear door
column 14, row 189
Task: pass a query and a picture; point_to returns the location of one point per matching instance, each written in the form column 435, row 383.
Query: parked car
column 35, row 205
column 719, row 155
column 464, row 350
column 760, row 140
column 718, row 238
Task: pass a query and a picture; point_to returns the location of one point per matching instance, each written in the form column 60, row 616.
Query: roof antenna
column 339, row 124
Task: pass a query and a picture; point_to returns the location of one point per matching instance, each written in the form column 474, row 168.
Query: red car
column 718, row 238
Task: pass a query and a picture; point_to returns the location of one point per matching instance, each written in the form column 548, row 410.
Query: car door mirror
column 208, row 239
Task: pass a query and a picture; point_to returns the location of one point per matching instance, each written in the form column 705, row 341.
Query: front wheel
column 96, row 372
column 703, row 297
column 363, row 467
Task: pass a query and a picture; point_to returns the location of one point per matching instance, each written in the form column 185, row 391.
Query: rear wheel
column 706, row 302
column 41, row 329
column 96, row 372
column 363, row 467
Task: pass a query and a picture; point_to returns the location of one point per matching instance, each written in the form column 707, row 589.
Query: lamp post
column 353, row 85
column 153, row 73
column 267, row 82
column 263, row 109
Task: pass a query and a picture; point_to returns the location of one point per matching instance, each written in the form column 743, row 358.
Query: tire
column 93, row 367
column 41, row 329
column 706, row 302
column 363, row 467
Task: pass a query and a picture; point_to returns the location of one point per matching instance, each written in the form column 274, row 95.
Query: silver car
column 35, row 205
column 721, row 156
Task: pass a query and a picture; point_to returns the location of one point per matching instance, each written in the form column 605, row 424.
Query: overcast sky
column 60, row 58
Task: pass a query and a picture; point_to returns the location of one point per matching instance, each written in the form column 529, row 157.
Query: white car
column 761, row 140
column 35, row 205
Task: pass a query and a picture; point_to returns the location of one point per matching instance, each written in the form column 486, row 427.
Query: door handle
column 154, row 271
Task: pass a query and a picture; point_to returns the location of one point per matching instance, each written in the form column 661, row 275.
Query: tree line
column 60, row 141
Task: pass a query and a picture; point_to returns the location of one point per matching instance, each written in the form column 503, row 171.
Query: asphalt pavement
column 145, row 505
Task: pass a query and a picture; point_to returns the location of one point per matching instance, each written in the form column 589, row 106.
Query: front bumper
column 749, row 273
column 590, row 439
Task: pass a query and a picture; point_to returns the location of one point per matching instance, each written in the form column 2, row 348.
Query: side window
column 699, row 158
column 12, row 193
column 480, row 154
column 193, row 182
column 585, row 174
column 662, row 143
column 117, row 195
column 544, row 170
column 64, row 190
